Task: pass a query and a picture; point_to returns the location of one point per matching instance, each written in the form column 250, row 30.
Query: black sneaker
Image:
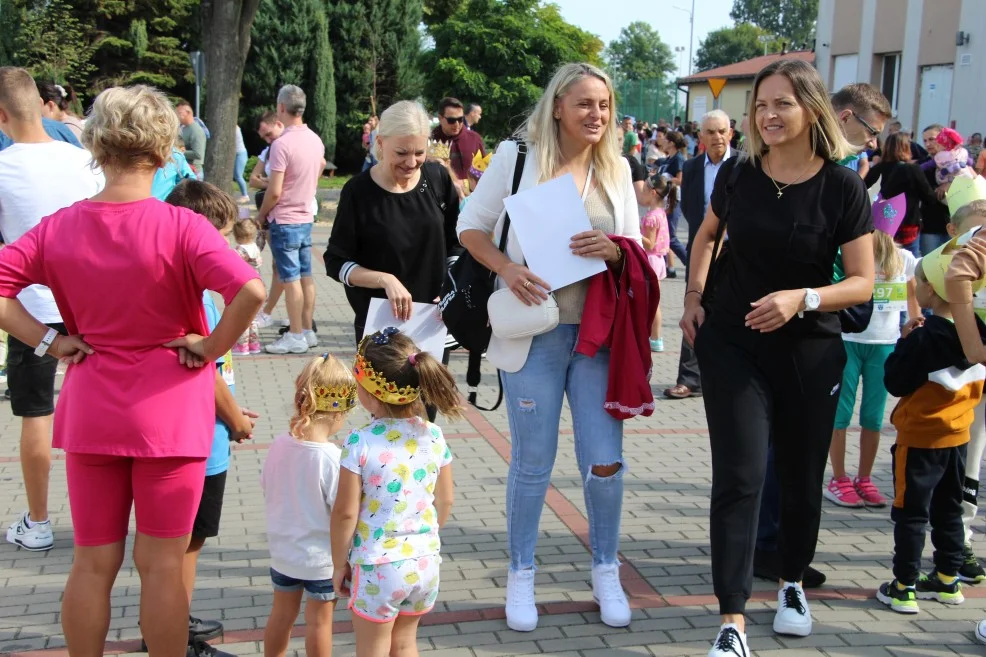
column 930, row 587
column 204, row 630
column 903, row 601
column 971, row 570
column 202, row 649
column 766, row 565
column 672, row 273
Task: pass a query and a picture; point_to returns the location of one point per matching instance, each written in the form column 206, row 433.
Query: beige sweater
column 571, row 298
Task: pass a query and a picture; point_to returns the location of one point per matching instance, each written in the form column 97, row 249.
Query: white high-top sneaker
column 522, row 615
column 608, row 593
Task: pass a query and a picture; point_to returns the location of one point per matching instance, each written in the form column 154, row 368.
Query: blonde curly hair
column 131, row 128
column 322, row 371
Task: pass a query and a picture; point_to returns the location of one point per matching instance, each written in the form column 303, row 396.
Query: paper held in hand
column 545, row 219
column 425, row 326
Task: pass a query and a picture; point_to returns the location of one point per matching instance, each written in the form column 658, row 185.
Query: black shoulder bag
column 467, row 288
column 719, row 257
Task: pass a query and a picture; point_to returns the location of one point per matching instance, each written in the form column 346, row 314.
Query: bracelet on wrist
column 699, row 293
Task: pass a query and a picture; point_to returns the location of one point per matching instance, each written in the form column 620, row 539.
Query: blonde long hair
column 886, row 256
column 827, row 139
column 542, row 128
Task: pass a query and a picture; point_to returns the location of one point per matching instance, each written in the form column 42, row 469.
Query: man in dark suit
column 697, row 178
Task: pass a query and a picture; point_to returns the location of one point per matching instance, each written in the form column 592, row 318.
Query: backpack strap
column 442, row 205
column 734, row 173
column 518, row 174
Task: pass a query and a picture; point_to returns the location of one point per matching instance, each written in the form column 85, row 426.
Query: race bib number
column 890, row 295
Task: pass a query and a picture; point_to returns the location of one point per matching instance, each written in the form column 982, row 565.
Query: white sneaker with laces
column 793, row 616
column 522, row 615
column 37, row 537
column 730, row 642
column 264, row 320
column 614, row 610
column 311, row 337
column 289, row 343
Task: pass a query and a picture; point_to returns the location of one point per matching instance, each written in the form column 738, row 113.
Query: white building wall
column 910, row 73
column 968, row 108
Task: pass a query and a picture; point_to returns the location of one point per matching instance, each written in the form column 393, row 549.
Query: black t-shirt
column 407, row 235
column 638, row 171
column 786, row 243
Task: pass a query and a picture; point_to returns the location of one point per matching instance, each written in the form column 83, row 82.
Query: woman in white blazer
column 571, row 131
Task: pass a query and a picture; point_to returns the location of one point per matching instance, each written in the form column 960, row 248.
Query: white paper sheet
column 545, row 219
column 425, row 326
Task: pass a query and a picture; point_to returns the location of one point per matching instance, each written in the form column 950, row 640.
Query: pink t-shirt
column 129, row 277
column 298, row 152
column 658, row 219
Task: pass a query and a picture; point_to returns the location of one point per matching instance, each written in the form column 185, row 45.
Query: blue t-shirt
column 219, row 458
column 173, row 172
column 55, row 129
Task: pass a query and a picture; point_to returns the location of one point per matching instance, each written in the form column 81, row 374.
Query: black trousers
column 927, row 488
column 761, row 390
column 688, row 374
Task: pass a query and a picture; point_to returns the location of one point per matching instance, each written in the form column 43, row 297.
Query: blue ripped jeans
column 534, row 404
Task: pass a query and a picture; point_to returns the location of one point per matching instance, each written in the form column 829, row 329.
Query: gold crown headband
column 334, row 399
column 439, row 150
column 375, row 382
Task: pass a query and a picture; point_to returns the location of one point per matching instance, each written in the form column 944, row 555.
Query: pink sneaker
column 843, row 493
column 241, row 349
column 255, row 347
column 868, row 491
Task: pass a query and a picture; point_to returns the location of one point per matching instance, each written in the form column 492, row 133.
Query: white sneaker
column 37, row 537
column 289, row 343
column 614, row 610
column 522, row 615
column 264, row 320
column 793, row 616
column 981, row 631
column 311, row 337
column 730, row 642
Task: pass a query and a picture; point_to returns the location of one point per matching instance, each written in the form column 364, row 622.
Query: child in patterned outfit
column 245, row 234
column 395, row 492
column 299, row 480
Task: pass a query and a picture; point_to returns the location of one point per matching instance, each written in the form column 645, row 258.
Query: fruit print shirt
column 398, row 461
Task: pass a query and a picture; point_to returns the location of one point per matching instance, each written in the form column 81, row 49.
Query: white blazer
column 485, row 212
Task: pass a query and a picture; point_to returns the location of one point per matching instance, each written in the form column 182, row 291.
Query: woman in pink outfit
column 136, row 411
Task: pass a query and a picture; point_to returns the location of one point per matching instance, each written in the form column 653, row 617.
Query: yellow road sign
column 716, row 85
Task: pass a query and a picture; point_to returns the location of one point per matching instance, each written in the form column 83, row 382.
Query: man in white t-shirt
column 38, row 177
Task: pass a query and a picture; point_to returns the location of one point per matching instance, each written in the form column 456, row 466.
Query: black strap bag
column 719, row 257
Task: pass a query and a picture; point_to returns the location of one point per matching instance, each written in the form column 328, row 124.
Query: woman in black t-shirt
column 770, row 351
column 395, row 226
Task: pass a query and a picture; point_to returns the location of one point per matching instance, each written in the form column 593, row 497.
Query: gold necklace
column 780, row 189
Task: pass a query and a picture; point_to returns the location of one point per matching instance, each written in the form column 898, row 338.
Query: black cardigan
column 906, row 178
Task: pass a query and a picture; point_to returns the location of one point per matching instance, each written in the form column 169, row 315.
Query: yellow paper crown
column 438, row 150
column 377, row 384
column 936, row 263
column 964, row 190
column 333, row 399
column 480, row 162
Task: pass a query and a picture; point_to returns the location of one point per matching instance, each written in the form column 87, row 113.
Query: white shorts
column 383, row 592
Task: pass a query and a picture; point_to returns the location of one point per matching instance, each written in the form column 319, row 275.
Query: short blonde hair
column 405, row 118
column 130, row 128
column 827, row 139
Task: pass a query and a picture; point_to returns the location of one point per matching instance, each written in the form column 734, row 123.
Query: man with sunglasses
column 862, row 111
column 463, row 144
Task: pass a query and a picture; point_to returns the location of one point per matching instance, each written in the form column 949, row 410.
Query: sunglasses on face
column 870, row 129
column 454, row 119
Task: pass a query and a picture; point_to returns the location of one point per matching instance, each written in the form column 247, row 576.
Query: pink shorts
column 101, row 489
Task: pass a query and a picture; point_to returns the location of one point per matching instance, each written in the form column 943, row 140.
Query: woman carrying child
column 395, row 492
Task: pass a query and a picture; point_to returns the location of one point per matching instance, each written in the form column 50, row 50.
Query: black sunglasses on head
column 454, row 119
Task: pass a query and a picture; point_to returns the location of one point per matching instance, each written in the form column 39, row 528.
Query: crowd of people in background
column 874, row 281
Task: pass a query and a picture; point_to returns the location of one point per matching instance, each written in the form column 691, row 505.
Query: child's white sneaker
column 522, row 614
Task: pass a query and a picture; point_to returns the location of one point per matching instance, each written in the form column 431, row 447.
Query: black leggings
column 763, row 389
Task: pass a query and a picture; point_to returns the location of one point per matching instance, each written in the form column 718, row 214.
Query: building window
column 890, row 79
column 844, row 71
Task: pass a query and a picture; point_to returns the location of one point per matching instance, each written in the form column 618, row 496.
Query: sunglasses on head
column 454, row 119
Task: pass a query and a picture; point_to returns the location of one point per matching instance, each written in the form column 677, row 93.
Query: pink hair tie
column 413, row 359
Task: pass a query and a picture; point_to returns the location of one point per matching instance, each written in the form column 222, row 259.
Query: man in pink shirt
column 297, row 159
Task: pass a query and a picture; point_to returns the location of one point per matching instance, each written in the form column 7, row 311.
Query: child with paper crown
column 866, row 354
column 939, row 390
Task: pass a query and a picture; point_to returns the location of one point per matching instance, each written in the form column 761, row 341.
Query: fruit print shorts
column 385, row 591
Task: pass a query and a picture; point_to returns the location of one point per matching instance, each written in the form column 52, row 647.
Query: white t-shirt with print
column 398, row 462
column 37, row 180
column 884, row 327
column 300, row 480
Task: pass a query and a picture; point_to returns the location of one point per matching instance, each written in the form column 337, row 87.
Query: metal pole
column 691, row 37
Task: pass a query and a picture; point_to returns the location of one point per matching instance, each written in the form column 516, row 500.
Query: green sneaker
column 902, row 601
column 930, row 587
column 971, row 570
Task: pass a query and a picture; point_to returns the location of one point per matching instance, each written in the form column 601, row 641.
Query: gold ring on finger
column 593, row 239
column 527, row 284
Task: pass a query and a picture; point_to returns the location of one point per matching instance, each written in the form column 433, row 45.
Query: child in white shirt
column 245, row 234
column 395, row 492
column 299, row 480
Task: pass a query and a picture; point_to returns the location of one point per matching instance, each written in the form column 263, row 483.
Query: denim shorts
column 291, row 245
column 318, row 589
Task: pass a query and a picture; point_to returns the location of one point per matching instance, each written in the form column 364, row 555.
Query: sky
column 669, row 17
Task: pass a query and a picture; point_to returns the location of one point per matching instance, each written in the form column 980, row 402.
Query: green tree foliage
column 376, row 44
column 47, row 38
column 321, row 88
column 501, row 53
column 437, row 11
column 793, row 21
column 733, row 44
column 640, row 54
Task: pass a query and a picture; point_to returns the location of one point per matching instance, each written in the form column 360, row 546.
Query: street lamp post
column 680, row 50
column 691, row 31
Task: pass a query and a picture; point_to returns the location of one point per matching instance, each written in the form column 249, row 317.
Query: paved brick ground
column 665, row 543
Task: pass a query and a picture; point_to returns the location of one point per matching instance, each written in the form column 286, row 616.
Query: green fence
column 646, row 100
